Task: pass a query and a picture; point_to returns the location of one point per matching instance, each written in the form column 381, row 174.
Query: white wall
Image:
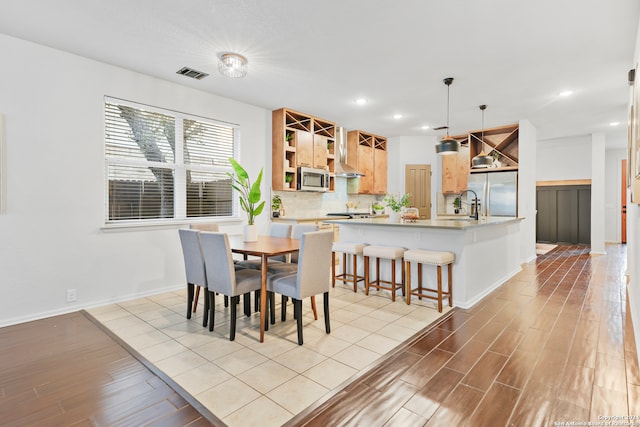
column 564, row 159
column 613, row 195
column 413, row 150
column 52, row 238
column 529, row 159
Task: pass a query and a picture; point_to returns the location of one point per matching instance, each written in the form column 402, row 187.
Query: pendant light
column 447, row 145
column 482, row 160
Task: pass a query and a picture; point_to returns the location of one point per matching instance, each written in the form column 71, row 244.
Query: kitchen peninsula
column 487, row 252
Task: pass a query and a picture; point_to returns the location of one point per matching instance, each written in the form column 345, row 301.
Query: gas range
column 352, row 215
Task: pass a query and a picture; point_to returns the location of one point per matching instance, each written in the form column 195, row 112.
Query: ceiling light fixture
column 447, row 145
column 425, row 127
column 614, row 123
column 361, row 101
column 566, row 93
column 233, row 65
column 397, row 116
column 482, row 160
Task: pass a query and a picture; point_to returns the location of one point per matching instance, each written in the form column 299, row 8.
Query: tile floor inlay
column 276, row 379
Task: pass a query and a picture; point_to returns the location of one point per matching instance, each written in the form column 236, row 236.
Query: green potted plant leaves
column 249, row 194
column 396, row 202
column 276, row 205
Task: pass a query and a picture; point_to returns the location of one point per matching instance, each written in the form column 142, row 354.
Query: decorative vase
column 250, row 233
column 394, row 216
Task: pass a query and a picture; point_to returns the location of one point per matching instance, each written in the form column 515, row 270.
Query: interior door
column 418, row 184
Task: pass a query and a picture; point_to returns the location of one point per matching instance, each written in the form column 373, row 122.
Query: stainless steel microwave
column 310, row 179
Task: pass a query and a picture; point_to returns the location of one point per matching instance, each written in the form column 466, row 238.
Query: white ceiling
column 319, row 56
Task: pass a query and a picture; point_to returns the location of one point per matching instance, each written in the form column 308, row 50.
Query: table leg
column 263, row 295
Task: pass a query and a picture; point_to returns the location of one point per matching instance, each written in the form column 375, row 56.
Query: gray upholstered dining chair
column 223, row 278
column 291, row 267
column 194, row 268
column 312, row 277
column 208, row 226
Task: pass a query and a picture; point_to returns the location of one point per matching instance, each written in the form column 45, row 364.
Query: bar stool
column 345, row 248
column 391, row 253
column 421, row 256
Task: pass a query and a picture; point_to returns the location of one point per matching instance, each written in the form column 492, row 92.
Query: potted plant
column 496, row 159
column 396, row 202
column 276, row 205
column 288, row 179
column 378, row 208
column 457, row 204
column 249, row 197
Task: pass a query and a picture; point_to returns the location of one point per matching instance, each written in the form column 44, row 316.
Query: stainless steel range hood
column 342, row 168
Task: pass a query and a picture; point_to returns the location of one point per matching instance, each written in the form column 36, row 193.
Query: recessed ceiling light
column 566, row 93
column 397, row 116
column 361, row 101
column 425, row 127
column 614, row 123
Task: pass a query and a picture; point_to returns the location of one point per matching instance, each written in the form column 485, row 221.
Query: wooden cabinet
column 500, row 142
column 299, row 139
column 368, row 154
column 455, row 171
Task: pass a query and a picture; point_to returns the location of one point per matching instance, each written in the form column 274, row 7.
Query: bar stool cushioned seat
column 439, row 259
column 391, row 253
column 346, row 248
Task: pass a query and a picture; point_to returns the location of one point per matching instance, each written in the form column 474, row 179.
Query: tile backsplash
column 300, row 204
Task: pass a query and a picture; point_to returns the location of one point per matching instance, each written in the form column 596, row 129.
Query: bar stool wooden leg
column 420, row 281
column 366, row 275
column 440, row 289
column 450, row 271
column 333, row 269
column 393, row 280
column 355, row 271
column 408, row 282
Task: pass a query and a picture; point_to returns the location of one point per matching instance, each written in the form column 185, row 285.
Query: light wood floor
column 554, row 344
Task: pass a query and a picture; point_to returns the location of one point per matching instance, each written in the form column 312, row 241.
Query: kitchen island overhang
column 487, row 251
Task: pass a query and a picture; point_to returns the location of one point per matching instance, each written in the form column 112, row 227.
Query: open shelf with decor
column 499, row 142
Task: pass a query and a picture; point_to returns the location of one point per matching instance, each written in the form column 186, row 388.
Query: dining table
column 264, row 247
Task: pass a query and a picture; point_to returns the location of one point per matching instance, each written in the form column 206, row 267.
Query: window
column 164, row 165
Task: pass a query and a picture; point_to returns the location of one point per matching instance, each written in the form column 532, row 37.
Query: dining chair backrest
column 278, row 229
column 314, row 264
column 218, row 262
column 209, row 226
column 193, row 260
column 296, row 233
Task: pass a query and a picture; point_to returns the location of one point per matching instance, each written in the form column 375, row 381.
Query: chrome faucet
column 475, row 213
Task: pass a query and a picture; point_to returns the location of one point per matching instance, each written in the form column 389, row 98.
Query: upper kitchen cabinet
column 368, row 154
column 500, row 142
column 299, row 139
column 455, row 169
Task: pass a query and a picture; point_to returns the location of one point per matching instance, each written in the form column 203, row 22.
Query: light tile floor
column 245, row 382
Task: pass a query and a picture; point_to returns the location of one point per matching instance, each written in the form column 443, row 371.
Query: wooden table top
column 265, row 245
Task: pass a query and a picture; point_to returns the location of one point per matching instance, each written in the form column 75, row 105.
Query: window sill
column 160, row 225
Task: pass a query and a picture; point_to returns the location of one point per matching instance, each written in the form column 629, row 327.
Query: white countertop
column 445, row 223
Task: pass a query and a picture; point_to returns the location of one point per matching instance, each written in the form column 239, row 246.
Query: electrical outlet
column 71, row 295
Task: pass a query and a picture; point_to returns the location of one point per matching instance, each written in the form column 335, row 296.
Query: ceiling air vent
column 190, row 72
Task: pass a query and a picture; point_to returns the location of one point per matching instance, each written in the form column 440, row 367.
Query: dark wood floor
column 553, row 344
column 66, row 371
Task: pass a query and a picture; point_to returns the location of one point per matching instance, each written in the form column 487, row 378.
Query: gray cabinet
column 564, row 214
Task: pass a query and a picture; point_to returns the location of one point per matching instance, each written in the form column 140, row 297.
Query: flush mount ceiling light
column 233, row 65
column 565, row 93
column 482, row 160
column 397, row 116
column 360, row 101
column 447, row 145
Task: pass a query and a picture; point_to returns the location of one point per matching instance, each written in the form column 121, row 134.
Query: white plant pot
column 395, row 216
column 250, row 233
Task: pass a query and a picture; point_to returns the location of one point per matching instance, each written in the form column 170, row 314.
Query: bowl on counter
column 410, row 215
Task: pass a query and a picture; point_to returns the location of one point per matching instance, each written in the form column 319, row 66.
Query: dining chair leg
column 195, row 300
column 207, row 307
column 327, row 326
column 190, row 287
column 256, row 301
column 211, row 296
column 297, row 312
column 232, row 328
column 246, row 304
column 226, row 301
column 283, row 308
column 272, row 308
column 313, row 307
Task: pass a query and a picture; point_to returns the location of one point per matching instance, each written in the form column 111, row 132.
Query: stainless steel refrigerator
column 497, row 192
